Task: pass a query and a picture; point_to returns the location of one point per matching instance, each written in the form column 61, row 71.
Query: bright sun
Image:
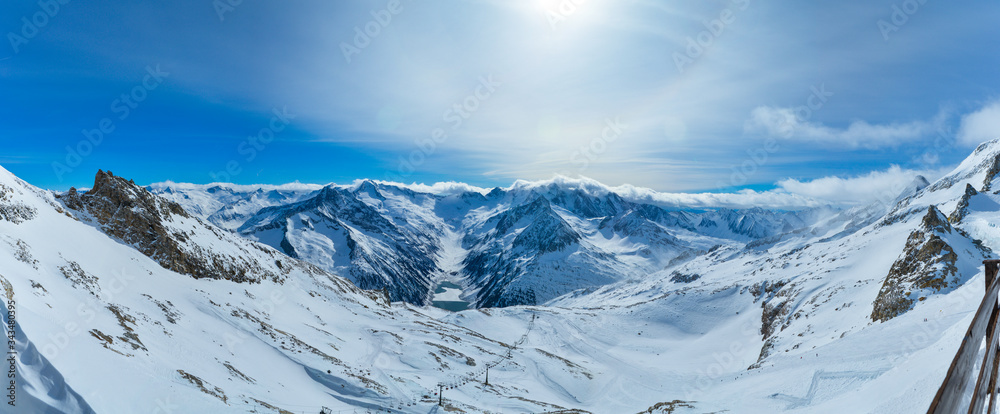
column 563, row 9
column 560, row 5
column 548, row 4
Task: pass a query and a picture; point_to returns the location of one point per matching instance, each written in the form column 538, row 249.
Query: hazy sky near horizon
column 690, row 96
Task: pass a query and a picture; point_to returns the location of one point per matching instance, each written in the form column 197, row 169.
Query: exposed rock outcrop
column 153, row 225
column 963, row 204
column 12, row 210
column 991, row 173
column 926, row 265
column 776, row 299
column 678, row 277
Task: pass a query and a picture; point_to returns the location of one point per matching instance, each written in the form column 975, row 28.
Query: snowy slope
column 129, row 335
column 824, row 340
column 783, row 323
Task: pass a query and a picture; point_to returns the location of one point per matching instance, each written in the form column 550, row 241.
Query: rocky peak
column 136, row 217
column 927, row 265
column 963, row 205
column 118, row 192
column 115, row 202
column 935, row 220
column 330, row 194
column 72, row 199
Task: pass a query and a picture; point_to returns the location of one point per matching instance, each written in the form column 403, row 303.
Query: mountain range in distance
column 225, row 298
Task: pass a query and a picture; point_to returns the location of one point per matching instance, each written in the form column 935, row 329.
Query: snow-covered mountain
column 229, row 206
column 118, row 301
column 337, row 230
column 526, row 244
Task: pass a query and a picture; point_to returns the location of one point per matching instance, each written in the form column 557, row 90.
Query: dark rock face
column 678, row 277
column 776, row 301
column 927, row 263
column 991, row 173
column 138, row 218
column 963, row 204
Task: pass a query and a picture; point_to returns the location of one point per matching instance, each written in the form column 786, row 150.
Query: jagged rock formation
column 776, row 301
column 991, row 172
column 161, row 230
column 963, row 204
column 926, row 265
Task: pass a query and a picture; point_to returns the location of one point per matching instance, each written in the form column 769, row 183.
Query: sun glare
column 559, row 13
column 563, row 7
column 549, row 5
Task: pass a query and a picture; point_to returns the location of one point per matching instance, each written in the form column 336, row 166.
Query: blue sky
column 685, row 96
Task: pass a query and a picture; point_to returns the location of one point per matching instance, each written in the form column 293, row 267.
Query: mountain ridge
column 371, row 224
column 735, row 325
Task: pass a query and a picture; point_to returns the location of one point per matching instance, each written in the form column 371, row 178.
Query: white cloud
column 440, row 188
column 742, row 199
column 791, row 194
column 980, row 126
column 793, row 123
column 862, row 189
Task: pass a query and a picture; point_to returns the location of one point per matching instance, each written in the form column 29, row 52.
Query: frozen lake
column 447, row 296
